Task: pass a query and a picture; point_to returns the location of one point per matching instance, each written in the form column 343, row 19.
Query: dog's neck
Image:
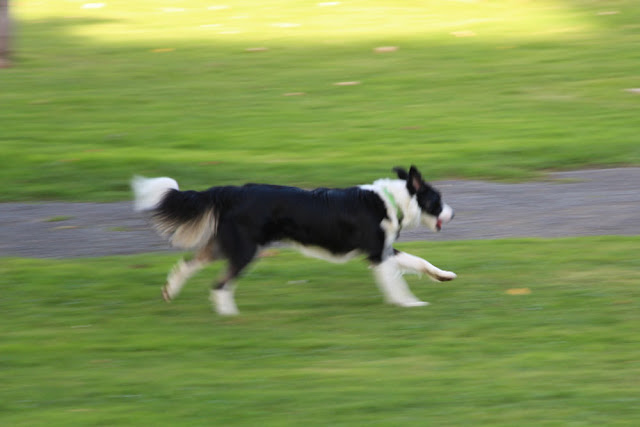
column 401, row 203
column 392, row 200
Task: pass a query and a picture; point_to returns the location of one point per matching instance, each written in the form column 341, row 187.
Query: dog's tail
column 186, row 218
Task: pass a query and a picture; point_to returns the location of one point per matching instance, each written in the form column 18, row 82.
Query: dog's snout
column 447, row 214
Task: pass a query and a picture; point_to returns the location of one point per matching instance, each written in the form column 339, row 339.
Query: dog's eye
column 431, row 203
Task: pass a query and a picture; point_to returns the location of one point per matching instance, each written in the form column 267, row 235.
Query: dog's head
column 434, row 212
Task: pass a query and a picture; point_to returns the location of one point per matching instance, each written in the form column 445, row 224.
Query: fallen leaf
column 465, row 33
column 346, row 83
column 385, row 49
column 93, row 5
column 519, row 291
column 608, row 12
column 635, row 90
column 294, row 94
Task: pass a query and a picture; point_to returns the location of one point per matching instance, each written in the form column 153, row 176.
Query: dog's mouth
column 439, row 225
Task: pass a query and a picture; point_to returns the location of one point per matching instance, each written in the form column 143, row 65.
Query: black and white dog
column 333, row 224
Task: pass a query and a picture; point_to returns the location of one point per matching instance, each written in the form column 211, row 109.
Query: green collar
column 392, row 200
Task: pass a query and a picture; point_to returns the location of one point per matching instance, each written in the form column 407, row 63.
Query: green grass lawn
column 477, row 89
column 89, row 342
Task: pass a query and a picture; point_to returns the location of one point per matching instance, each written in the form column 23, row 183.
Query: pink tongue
column 439, row 224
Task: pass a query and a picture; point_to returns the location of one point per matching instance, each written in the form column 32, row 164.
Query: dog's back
column 339, row 220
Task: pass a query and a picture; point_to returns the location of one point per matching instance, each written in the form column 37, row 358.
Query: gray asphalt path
column 580, row 203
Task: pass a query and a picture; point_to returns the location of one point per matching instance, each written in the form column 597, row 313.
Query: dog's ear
column 402, row 173
column 414, row 181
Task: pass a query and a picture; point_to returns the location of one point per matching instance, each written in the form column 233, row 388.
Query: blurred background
column 312, row 93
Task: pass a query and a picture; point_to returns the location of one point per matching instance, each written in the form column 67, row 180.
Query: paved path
column 581, row 203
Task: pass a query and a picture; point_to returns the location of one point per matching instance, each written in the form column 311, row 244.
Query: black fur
column 254, row 215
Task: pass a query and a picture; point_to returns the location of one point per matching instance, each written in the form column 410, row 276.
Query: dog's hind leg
column 412, row 264
column 185, row 268
column 222, row 294
column 394, row 288
column 223, row 299
column 240, row 251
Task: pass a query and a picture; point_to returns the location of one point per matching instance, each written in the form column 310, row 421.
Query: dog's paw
column 414, row 304
column 223, row 303
column 165, row 293
column 445, row 276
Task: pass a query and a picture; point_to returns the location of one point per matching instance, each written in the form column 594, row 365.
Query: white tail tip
column 148, row 192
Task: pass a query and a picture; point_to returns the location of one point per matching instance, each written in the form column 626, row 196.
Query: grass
column 58, row 218
column 498, row 90
column 88, row 341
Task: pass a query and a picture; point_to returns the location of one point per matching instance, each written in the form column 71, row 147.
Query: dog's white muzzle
column 445, row 216
column 436, row 223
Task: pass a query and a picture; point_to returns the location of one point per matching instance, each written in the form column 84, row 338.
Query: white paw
column 444, row 276
column 414, row 304
column 227, row 311
column 223, row 303
column 165, row 293
column 170, row 290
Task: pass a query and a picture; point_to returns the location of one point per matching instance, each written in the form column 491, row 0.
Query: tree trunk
column 5, row 34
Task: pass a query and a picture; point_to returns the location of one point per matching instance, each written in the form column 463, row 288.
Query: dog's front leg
column 395, row 290
column 412, row 264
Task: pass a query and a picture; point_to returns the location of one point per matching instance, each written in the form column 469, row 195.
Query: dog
column 236, row 222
